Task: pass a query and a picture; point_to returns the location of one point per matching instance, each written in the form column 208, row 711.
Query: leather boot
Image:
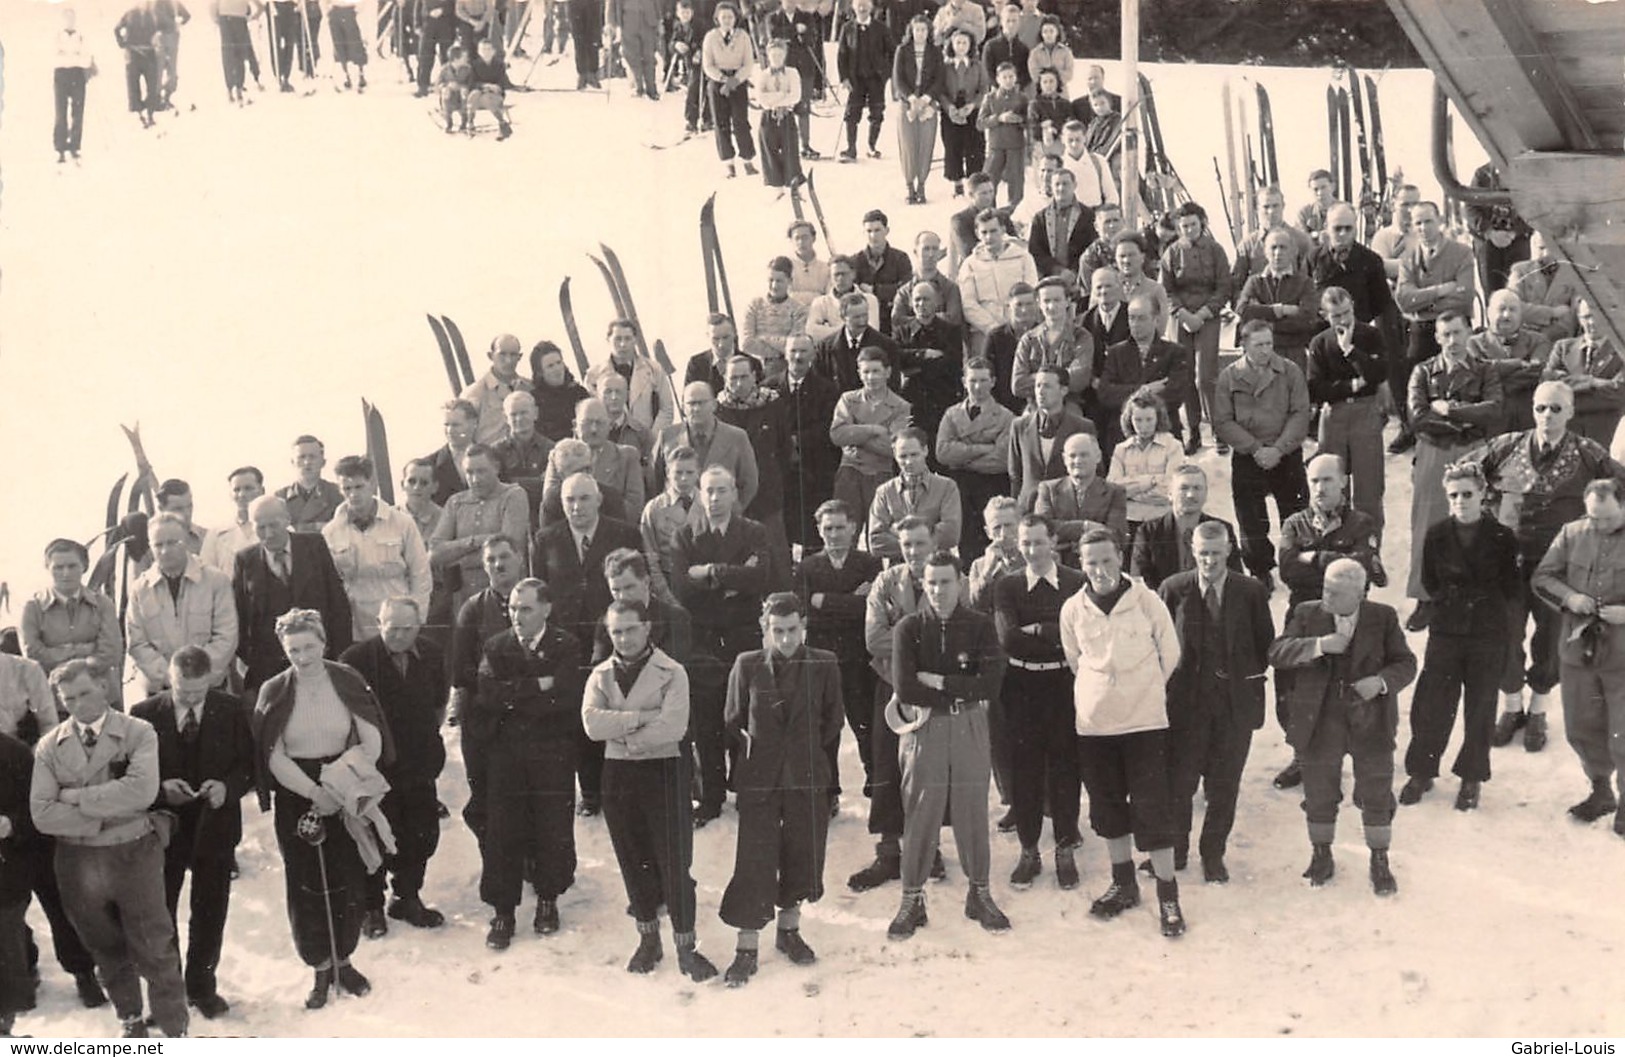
column 1173, row 919
column 910, row 917
column 1382, row 878
column 1321, row 865
column 1124, row 893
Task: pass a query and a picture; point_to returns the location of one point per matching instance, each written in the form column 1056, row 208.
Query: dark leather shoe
column 1290, row 776
column 694, row 965
column 318, row 990
column 1028, row 867
column 501, row 932
column 1599, row 803
column 1214, row 872
column 91, row 995
column 1173, row 919
column 373, row 924
column 1467, row 797
column 1507, row 726
column 704, row 816
column 1007, row 824
column 412, row 911
column 350, row 978
column 209, row 1004
column 589, row 807
column 1066, row 869
column 1123, row 893
column 910, row 918
column 1534, row 732
column 648, row 954
column 884, row 868
column 742, row 969
column 1420, row 617
column 1321, row 866
column 1402, row 444
column 547, row 917
column 980, row 908
column 1415, row 788
column 1382, row 878
column 790, row 944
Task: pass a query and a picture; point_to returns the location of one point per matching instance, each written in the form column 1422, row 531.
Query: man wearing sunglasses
column 1541, row 475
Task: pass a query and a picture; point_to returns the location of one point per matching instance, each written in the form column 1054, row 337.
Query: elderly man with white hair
column 407, row 674
column 1541, row 475
column 1348, row 661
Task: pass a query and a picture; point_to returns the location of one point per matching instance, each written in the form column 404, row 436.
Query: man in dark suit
column 1038, row 437
column 529, row 712
column 205, row 765
column 569, row 558
column 715, row 442
column 407, row 674
column 1144, row 360
column 284, row 571
column 1216, row 694
column 810, row 399
column 1082, row 498
column 1106, row 319
column 482, row 616
column 707, row 366
column 1349, row 662
column 1162, row 546
column 838, row 353
column 721, row 578
column 1066, row 225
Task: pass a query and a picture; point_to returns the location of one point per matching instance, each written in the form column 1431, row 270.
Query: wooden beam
column 1575, row 196
column 1504, row 83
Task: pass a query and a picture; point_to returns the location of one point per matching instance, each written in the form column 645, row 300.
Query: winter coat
column 985, row 281
column 1121, row 661
column 1318, row 682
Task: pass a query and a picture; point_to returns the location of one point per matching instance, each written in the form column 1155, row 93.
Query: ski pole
column 313, row 831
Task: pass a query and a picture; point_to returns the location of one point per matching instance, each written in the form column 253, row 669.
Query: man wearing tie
column 1038, row 702
column 95, row 780
column 1349, row 662
column 569, row 558
column 283, row 571
column 1143, row 360
column 205, row 765
column 1082, row 498
column 1216, row 693
column 809, row 401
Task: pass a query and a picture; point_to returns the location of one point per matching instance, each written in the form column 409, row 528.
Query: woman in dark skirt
column 308, row 716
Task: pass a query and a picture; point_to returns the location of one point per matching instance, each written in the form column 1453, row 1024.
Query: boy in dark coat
column 784, row 711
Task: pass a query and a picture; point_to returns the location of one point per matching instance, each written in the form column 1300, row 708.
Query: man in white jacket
column 1122, row 646
column 986, row 276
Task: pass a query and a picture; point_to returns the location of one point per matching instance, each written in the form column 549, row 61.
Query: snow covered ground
column 249, row 275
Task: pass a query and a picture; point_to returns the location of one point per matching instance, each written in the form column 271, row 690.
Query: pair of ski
column 620, row 294
column 798, row 205
column 453, row 353
column 1349, row 130
column 1162, row 189
column 1257, row 171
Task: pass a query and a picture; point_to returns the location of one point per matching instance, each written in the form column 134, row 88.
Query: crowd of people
column 946, row 503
